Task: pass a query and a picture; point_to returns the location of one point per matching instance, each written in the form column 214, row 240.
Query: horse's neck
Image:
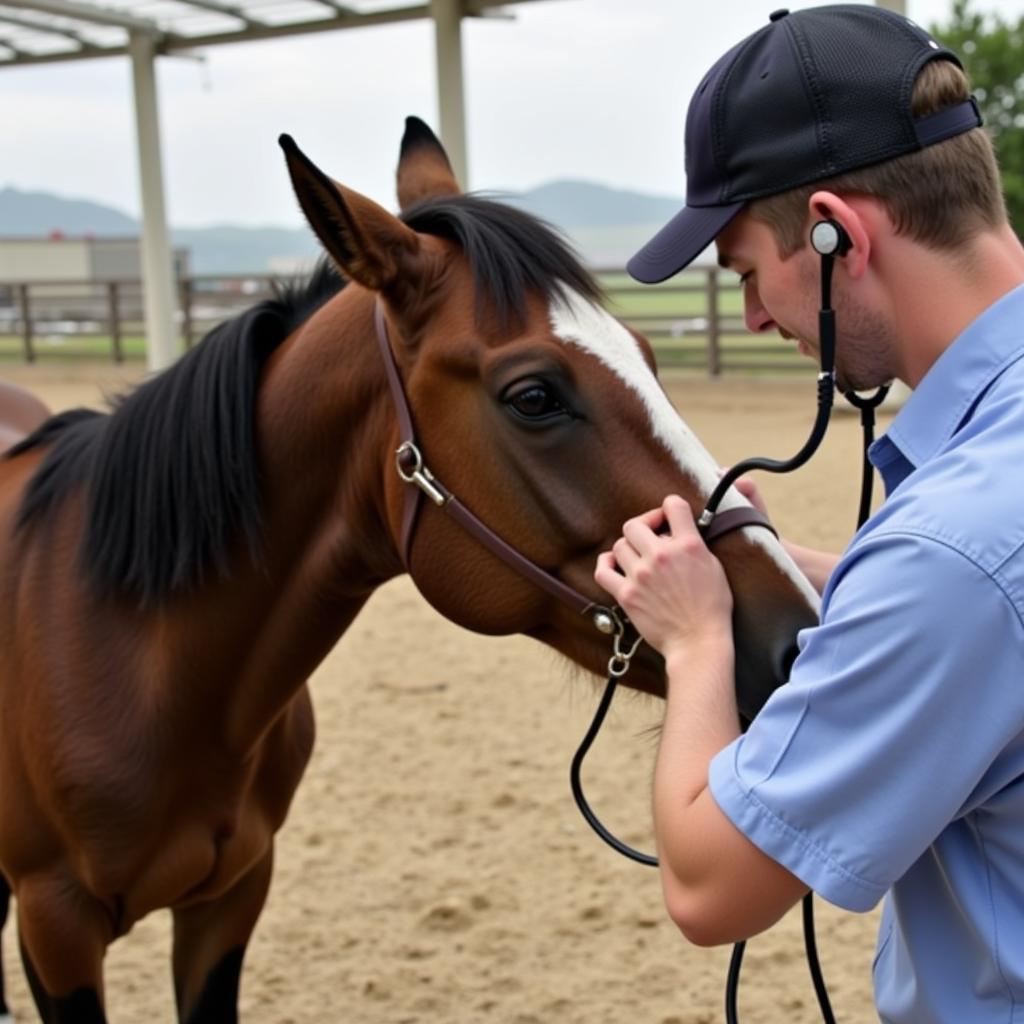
column 324, row 425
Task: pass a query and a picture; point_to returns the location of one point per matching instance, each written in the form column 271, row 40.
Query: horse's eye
column 534, row 400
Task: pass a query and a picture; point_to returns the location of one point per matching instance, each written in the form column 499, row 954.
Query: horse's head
column 538, row 410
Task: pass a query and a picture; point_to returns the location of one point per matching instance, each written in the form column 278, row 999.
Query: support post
column 714, row 325
column 26, row 323
column 114, row 316
column 187, row 326
column 157, row 267
column 447, row 15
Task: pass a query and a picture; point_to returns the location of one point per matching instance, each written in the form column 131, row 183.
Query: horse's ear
column 369, row 244
column 423, row 168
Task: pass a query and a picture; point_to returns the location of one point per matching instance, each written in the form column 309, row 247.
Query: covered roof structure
column 48, row 31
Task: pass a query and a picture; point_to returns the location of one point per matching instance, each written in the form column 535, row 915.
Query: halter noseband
column 413, row 470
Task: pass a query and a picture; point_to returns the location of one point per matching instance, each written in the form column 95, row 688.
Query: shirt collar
column 936, row 408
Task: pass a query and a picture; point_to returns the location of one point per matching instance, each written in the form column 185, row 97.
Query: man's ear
column 824, row 205
column 368, row 244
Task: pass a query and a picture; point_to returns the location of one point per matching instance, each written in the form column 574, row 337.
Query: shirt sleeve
column 897, row 705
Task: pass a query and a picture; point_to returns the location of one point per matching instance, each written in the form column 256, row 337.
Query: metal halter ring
column 418, row 474
column 408, row 448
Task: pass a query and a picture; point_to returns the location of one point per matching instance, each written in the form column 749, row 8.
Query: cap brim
column 680, row 241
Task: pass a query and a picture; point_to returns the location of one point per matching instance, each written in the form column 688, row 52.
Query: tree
column 992, row 50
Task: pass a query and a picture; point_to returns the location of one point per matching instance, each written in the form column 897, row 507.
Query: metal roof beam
column 301, row 28
column 345, row 17
column 175, row 44
column 475, row 8
column 6, row 44
column 90, row 12
column 231, row 10
column 36, row 26
column 338, row 8
column 23, row 57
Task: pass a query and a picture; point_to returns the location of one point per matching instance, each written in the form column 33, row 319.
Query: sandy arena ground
column 434, row 868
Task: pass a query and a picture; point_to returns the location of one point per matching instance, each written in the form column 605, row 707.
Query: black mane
column 170, row 471
column 170, row 475
column 510, row 253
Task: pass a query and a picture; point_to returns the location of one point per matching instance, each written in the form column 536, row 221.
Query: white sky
column 589, row 89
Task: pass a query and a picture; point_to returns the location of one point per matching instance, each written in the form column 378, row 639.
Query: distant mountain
column 571, row 205
column 39, row 213
column 237, row 250
column 606, row 225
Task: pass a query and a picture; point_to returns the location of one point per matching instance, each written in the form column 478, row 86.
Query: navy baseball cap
column 811, row 95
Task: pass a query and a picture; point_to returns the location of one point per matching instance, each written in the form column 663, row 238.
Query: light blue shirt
column 892, row 763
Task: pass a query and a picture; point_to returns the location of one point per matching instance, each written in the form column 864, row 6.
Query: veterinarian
column 892, row 763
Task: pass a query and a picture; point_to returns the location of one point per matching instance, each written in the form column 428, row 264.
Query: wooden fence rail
column 693, row 321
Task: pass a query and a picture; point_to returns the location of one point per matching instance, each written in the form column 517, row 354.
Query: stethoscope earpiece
column 829, row 239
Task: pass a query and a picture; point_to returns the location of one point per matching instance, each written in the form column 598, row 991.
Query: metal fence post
column 26, row 323
column 186, row 311
column 714, row 325
column 115, row 321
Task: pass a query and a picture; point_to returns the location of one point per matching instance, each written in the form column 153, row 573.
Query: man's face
column 784, row 295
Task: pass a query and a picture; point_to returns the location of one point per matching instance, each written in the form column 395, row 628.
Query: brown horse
column 171, row 572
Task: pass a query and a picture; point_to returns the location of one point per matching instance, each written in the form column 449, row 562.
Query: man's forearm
column 701, row 719
column 718, row 886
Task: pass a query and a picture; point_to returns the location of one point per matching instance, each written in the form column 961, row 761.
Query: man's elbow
column 698, row 918
column 716, row 916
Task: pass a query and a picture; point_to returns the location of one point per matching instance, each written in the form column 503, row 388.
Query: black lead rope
column 867, row 407
column 577, row 786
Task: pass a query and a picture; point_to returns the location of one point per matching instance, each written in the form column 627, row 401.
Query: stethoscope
column 830, row 241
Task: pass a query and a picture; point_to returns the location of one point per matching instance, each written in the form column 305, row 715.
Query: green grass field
column 72, row 348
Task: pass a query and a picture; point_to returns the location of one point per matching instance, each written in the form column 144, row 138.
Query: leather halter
column 412, row 469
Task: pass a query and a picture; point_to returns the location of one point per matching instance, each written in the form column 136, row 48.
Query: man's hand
column 668, row 583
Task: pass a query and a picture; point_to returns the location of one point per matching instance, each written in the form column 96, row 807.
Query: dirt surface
column 434, row 868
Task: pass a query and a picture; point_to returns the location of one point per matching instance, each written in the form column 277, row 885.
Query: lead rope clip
column 618, row 663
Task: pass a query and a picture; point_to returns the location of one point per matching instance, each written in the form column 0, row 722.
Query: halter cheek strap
column 407, row 457
column 412, row 469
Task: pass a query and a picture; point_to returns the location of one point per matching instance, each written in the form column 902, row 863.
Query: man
column 892, row 762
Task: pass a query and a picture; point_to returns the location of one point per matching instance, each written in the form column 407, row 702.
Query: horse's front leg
column 64, row 933
column 5, row 899
column 209, row 944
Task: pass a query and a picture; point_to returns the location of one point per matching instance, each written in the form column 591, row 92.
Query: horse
column 173, row 569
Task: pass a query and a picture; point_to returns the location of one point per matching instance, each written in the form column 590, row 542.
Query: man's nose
column 755, row 315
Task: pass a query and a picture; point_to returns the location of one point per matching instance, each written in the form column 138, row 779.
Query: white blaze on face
column 579, row 322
